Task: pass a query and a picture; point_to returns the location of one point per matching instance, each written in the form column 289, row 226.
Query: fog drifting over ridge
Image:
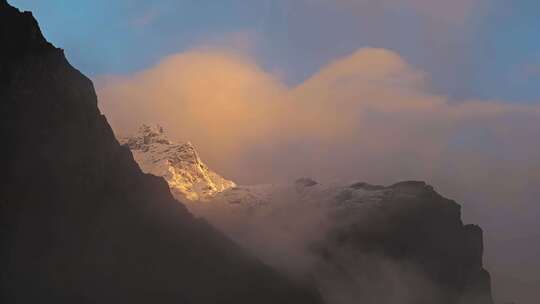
column 369, row 110
column 367, row 116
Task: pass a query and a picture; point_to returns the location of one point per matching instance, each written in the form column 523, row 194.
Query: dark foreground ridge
column 79, row 221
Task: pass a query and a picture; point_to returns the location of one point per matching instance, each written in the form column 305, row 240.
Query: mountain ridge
column 79, row 221
column 189, row 178
column 354, row 231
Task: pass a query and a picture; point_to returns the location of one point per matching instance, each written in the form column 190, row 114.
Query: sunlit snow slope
column 188, row 177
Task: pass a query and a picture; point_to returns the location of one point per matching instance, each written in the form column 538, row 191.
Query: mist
column 300, row 231
column 367, row 116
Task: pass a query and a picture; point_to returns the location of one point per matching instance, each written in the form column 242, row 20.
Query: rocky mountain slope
column 188, row 177
column 79, row 221
column 402, row 243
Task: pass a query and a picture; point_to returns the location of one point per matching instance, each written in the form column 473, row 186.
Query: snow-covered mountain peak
column 146, row 136
column 179, row 163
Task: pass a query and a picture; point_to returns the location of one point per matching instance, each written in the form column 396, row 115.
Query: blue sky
column 492, row 53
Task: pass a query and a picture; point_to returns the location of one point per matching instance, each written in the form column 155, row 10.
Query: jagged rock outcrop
column 364, row 243
column 407, row 232
column 79, row 221
column 179, row 163
column 402, row 243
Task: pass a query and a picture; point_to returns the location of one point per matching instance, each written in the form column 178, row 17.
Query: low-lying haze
column 367, row 116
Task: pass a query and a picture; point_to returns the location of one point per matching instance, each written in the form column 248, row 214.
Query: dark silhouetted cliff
column 79, row 221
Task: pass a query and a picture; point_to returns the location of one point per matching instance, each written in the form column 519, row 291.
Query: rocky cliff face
column 407, row 232
column 402, row 243
column 79, row 221
column 179, row 163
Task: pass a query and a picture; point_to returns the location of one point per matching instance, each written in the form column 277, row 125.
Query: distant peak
column 145, row 129
column 146, row 135
column 178, row 162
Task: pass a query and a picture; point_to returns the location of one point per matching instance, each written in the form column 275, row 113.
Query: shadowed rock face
column 409, row 232
column 376, row 244
column 79, row 221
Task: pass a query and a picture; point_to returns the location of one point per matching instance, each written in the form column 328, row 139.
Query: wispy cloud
column 147, row 18
column 530, row 71
column 455, row 12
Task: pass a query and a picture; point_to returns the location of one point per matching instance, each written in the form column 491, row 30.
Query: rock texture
column 179, row 163
column 405, row 231
column 79, row 221
column 402, row 243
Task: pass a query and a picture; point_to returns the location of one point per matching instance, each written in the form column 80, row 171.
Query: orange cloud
column 146, row 19
column 368, row 115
